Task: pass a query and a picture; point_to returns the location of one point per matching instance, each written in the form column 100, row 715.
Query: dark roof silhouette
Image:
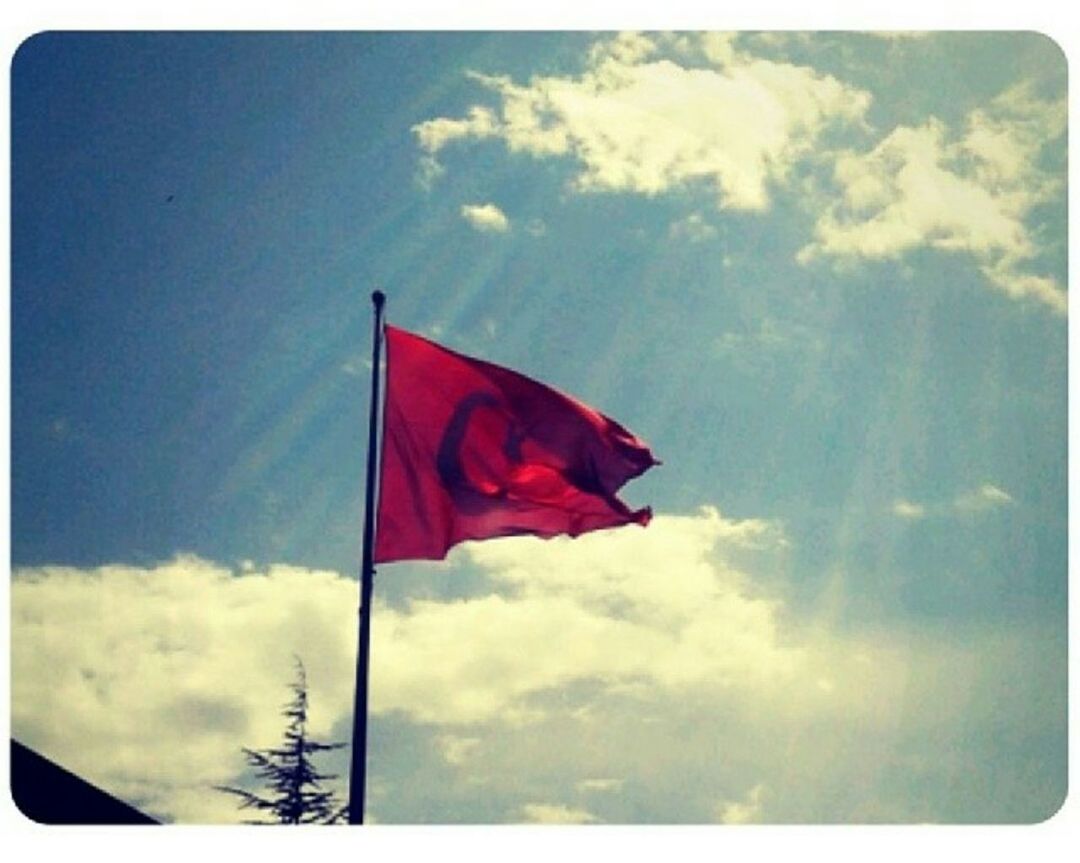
column 49, row 794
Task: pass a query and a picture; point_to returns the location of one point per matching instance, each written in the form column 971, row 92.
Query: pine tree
column 295, row 795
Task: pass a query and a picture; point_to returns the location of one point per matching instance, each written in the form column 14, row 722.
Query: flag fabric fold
column 472, row 450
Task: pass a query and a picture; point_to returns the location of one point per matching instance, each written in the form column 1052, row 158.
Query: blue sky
column 823, row 275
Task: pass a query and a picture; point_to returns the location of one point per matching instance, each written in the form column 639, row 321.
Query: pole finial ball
column 378, row 298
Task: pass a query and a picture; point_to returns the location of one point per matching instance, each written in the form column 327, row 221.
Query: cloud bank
column 146, row 681
column 629, row 675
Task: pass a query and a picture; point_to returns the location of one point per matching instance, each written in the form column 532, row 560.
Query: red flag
column 472, row 450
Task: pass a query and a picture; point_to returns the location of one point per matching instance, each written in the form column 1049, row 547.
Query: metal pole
column 358, row 768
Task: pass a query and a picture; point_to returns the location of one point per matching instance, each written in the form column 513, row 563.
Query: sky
column 823, row 275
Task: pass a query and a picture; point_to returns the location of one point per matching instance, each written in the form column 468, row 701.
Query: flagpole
column 358, row 768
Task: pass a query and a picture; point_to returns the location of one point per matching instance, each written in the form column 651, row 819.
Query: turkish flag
column 472, row 450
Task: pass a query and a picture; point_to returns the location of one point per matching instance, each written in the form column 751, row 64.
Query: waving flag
column 472, row 450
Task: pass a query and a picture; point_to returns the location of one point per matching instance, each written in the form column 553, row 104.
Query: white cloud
column 986, row 496
column 356, row 366
column 486, row 217
column 745, row 811
column 636, row 121
column 433, row 135
column 428, row 171
column 599, row 785
column 147, row 681
column 654, row 655
column 625, row 47
column 597, row 597
column 907, row 509
column 656, row 113
column 547, row 813
column 982, row 499
column 926, row 186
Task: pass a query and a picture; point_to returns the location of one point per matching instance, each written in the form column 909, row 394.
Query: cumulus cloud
column 927, row 186
column 146, row 681
column 547, row 813
column 486, row 217
column 987, row 496
column 655, row 113
column 652, row 114
column 668, row 674
column 907, row 509
column 433, row 135
column 599, row 599
column 977, row 500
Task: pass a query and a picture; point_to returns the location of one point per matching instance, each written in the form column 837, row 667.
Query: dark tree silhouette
column 294, row 792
